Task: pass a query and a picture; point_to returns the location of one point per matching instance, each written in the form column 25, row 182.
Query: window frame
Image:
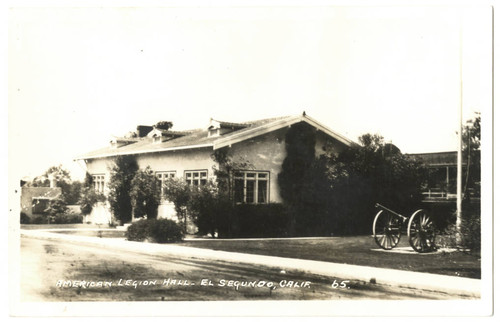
column 245, row 178
column 192, row 172
column 99, row 181
column 171, row 174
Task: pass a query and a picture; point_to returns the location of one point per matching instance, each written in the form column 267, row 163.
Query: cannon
column 388, row 226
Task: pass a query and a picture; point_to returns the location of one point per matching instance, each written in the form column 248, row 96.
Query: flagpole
column 459, row 149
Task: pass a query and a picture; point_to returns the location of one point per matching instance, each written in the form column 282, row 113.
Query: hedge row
column 269, row 220
column 46, row 219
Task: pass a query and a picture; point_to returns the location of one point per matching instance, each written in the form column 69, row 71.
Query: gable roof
column 197, row 139
column 41, row 192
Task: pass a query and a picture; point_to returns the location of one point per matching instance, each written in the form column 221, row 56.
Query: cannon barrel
column 377, row 205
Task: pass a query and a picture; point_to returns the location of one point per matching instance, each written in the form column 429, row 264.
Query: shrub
column 88, row 199
column 470, row 232
column 212, row 211
column 66, row 218
column 156, row 230
column 138, row 231
column 209, row 209
column 25, row 219
column 39, row 219
column 165, row 231
column 60, row 218
column 178, row 192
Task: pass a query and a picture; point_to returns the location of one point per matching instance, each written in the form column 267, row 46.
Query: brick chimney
column 143, row 130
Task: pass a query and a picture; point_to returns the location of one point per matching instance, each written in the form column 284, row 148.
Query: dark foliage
column 40, row 220
column 66, row 218
column 89, row 197
column 368, row 174
column 178, row 192
column 71, row 194
column 70, row 189
column 335, row 194
column 120, row 184
column 469, row 235
column 265, row 220
column 164, row 125
column 156, row 230
column 471, row 137
column 165, row 231
column 294, row 180
column 56, row 213
column 25, row 219
column 210, row 210
column 138, row 231
column 56, row 207
column 145, row 194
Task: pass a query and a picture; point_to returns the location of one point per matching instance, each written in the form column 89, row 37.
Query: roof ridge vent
column 218, row 128
column 161, row 135
column 117, row 142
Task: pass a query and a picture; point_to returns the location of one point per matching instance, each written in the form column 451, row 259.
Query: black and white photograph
column 250, row 158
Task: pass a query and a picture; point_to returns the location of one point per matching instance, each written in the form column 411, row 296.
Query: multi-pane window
column 98, row 180
column 251, row 186
column 163, row 176
column 197, row 177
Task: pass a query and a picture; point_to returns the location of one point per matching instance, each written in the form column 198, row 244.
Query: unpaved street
column 60, row 271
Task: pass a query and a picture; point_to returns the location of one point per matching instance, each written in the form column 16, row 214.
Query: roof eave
column 263, row 129
column 107, row 155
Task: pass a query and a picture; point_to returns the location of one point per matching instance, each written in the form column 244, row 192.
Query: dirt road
column 60, row 271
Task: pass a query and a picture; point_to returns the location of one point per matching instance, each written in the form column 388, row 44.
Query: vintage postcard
column 240, row 158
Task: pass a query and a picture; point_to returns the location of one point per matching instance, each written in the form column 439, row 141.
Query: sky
column 79, row 75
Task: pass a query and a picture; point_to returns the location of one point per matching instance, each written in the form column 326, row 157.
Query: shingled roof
column 42, row 192
column 199, row 138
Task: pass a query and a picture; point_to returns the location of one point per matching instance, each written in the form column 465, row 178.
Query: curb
column 391, row 277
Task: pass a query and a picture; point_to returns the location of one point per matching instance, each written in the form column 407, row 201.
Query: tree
column 145, row 194
column 57, row 207
column 373, row 172
column 122, row 174
column 178, row 192
column 293, row 179
column 471, row 137
column 58, row 173
column 70, row 189
column 469, row 233
column 88, row 196
column 164, row 125
column 210, row 208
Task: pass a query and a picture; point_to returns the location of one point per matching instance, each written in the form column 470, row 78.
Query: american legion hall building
column 189, row 155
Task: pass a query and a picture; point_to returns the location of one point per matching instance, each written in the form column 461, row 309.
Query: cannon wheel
column 386, row 229
column 421, row 232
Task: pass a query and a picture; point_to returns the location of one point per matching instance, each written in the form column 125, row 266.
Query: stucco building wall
column 265, row 152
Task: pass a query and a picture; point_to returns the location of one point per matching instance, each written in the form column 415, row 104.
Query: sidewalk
column 425, row 281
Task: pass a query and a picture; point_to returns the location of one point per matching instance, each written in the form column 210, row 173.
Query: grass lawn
column 357, row 250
